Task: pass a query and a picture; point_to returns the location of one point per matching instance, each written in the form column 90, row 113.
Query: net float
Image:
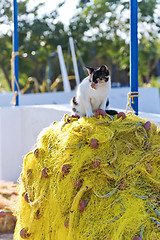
column 147, row 125
column 121, row 114
column 94, row 143
column 99, row 112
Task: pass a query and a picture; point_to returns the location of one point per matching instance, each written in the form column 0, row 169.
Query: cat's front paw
column 89, row 115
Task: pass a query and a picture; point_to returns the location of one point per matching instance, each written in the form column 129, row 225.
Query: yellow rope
column 74, row 207
column 131, row 95
column 91, row 193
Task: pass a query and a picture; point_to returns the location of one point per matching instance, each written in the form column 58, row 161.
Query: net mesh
column 92, row 179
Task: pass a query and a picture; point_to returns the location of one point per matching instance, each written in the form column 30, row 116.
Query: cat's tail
column 111, row 112
column 74, row 105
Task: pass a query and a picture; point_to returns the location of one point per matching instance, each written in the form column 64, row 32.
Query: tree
column 39, row 35
column 105, row 26
column 5, row 40
column 149, row 25
column 100, row 29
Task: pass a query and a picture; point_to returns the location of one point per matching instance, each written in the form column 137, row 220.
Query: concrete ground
column 6, row 236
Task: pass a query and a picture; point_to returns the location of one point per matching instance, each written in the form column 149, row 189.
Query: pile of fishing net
column 92, row 178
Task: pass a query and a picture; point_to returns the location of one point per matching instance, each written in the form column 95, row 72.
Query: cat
column 93, row 93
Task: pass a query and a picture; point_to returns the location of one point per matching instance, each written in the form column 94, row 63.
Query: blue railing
column 133, row 53
column 15, row 57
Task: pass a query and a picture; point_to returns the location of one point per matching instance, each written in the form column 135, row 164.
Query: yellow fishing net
column 92, row 179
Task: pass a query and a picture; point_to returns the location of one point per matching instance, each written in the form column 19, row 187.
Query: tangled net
column 92, row 179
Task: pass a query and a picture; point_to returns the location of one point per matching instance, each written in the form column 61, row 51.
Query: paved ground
column 6, row 236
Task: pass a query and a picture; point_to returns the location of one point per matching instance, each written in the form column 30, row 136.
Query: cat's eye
column 100, row 79
column 106, row 79
column 95, row 81
column 103, row 79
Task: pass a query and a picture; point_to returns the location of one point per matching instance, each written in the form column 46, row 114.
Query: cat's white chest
column 98, row 96
column 91, row 99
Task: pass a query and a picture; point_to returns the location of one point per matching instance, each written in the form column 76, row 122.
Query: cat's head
column 98, row 76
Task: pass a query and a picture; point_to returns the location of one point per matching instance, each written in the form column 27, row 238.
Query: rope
column 131, row 95
column 68, row 204
column 14, row 80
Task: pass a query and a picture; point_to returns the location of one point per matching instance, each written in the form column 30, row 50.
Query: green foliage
column 147, row 9
column 38, row 37
column 3, row 83
column 108, row 26
column 155, row 82
column 5, row 56
column 5, row 12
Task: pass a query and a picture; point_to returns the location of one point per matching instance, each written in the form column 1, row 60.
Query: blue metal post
column 15, row 51
column 134, row 53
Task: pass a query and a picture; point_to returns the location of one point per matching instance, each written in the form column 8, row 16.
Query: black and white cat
column 93, row 93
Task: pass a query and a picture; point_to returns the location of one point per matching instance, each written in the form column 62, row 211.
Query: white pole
column 66, row 84
column 74, row 60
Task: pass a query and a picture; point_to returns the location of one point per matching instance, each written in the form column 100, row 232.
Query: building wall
column 149, row 99
column 20, row 127
column 0, row 145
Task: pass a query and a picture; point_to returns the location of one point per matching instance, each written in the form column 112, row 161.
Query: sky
column 65, row 12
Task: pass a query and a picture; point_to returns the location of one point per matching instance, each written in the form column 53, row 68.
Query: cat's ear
column 103, row 68
column 89, row 69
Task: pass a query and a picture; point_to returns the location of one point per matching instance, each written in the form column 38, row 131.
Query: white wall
column 37, row 98
column 19, row 128
column 11, row 142
column 0, row 145
column 149, row 99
